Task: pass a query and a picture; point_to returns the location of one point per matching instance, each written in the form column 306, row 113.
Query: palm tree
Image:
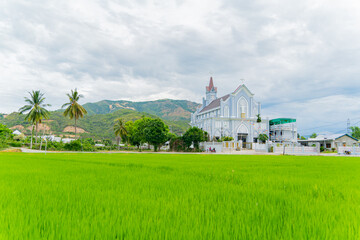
column 120, row 130
column 36, row 110
column 74, row 109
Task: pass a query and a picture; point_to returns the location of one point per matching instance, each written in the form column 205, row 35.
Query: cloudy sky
column 300, row 58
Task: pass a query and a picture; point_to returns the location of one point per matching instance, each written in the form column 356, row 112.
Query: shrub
column 263, row 138
column 73, row 146
column 227, row 138
column 15, row 144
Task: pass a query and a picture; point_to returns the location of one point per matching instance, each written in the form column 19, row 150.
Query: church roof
column 211, row 86
column 215, row 103
column 243, row 86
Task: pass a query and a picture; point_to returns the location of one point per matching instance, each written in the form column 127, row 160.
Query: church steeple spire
column 211, row 92
column 211, row 86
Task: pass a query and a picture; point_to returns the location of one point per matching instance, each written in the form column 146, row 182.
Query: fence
column 259, row 147
column 227, row 146
column 349, row 150
column 295, row 149
column 218, row 146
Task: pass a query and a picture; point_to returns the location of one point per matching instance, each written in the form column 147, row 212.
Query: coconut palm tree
column 120, row 130
column 36, row 110
column 74, row 110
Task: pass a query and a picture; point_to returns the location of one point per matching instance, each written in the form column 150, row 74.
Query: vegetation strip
column 158, row 196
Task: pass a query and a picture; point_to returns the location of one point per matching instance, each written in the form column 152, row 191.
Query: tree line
column 151, row 131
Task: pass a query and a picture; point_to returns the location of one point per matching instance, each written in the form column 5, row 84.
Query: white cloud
column 291, row 53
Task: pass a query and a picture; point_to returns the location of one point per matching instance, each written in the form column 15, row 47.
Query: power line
column 333, row 124
column 323, row 126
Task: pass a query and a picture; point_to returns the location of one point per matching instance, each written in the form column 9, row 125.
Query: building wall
column 284, row 132
column 348, row 141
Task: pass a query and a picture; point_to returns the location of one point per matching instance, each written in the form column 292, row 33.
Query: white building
column 283, row 130
column 17, row 132
column 234, row 115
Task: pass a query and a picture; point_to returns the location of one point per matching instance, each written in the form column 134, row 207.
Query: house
column 331, row 141
column 16, row 132
column 67, row 140
column 51, row 138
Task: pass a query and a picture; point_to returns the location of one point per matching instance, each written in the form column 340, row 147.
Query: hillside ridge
column 98, row 126
column 168, row 109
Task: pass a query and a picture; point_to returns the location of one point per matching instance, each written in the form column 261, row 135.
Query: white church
column 233, row 115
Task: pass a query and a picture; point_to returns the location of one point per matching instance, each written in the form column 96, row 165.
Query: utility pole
column 348, row 126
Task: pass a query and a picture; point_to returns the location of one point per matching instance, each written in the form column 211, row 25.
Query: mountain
column 98, row 126
column 99, row 121
column 167, row 109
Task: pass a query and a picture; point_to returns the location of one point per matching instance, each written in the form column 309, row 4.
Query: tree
column 263, row 138
column 139, row 128
column 177, row 144
column 74, row 110
column 120, row 130
column 258, row 118
column 355, row 132
column 314, row 135
column 36, row 110
column 5, row 134
column 131, row 137
column 193, row 135
column 156, row 132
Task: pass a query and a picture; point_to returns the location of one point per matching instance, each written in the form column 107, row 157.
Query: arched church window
column 242, row 108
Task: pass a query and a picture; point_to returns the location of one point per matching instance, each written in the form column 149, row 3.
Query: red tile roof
column 215, row 103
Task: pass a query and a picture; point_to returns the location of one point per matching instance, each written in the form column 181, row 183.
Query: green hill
column 167, row 109
column 92, row 125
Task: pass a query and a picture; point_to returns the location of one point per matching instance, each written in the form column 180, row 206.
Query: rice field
column 163, row 196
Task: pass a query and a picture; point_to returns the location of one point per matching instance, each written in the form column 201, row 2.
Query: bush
column 15, row 144
column 263, row 138
column 177, row 144
column 225, row 139
column 54, row 146
column 73, row 146
column 322, row 149
column 86, row 145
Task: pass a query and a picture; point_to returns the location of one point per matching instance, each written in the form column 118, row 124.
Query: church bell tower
column 211, row 92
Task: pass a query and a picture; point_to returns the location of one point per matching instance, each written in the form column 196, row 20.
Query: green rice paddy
column 163, row 196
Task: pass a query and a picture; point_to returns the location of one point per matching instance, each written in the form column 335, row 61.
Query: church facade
column 233, row 115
